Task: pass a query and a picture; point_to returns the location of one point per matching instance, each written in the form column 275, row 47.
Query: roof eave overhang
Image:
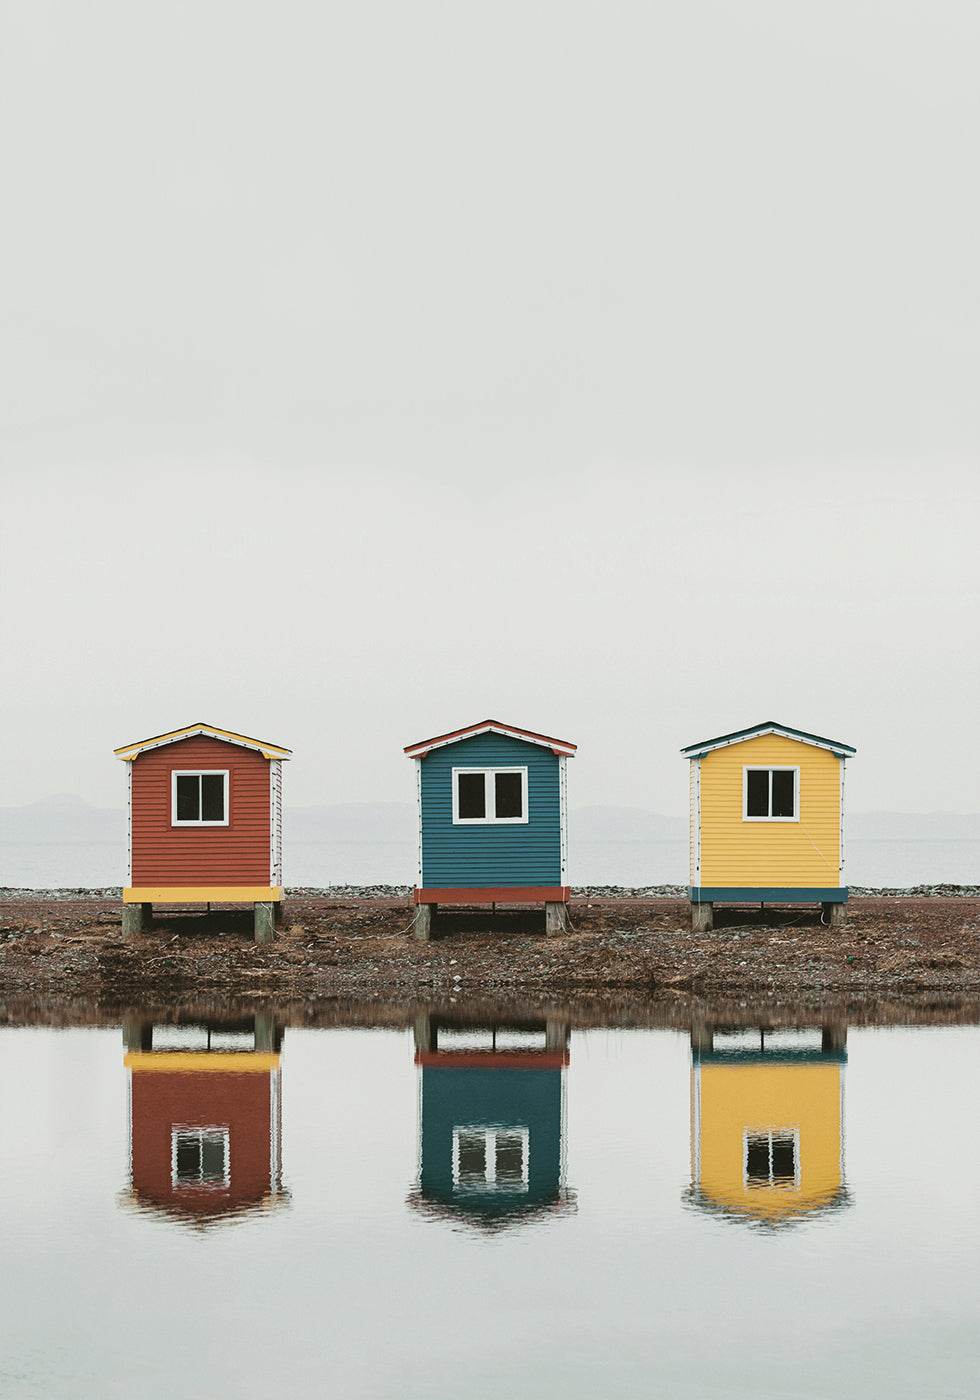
column 561, row 747
column 271, row 751
column 831, row 745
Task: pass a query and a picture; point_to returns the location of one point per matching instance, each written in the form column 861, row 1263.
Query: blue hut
column 492, row 820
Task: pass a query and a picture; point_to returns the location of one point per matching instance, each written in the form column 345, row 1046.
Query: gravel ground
column 634, row 951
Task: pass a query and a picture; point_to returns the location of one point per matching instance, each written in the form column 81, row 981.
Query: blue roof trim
column 767, row 727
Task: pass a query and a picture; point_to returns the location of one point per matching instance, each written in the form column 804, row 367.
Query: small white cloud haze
column 369, row 370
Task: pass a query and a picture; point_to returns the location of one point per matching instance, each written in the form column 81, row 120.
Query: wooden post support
column 265, row 1031
column 278, row 915
column 555, row 918
column 702, row 917
column 833, row 1036
column 555, row 1034
column 702, row 1036
column 835, row 914
column 423, row 1031
column 137, row 1034
column 132, row 919
column 425, row 917
column 265, row 922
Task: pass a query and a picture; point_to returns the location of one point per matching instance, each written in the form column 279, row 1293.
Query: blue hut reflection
column 491, row 1120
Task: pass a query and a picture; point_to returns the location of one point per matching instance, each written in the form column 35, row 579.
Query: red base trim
column 507, row 894
column 489, row 1059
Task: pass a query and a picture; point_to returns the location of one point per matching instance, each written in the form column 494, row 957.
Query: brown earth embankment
column 897, row 958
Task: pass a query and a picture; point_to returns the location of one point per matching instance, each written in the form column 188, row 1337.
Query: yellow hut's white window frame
column 770, row 768
column 489, row 817
column 770, row 1138
column 198, row 773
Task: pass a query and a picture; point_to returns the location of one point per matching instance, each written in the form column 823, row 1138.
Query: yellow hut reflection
column 767, row 1122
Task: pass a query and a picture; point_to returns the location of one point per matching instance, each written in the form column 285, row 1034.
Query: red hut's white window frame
column 198, row 773
column 490, row 800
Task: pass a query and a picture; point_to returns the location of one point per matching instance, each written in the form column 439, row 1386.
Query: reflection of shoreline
column 398, row 1013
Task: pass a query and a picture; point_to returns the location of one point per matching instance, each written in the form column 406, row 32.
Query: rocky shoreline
column 634, row 950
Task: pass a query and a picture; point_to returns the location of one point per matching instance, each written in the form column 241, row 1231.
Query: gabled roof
column 492, row 726
column 131, row 751
column 769, row 726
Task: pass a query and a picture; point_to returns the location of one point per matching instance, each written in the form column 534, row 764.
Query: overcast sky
column 373, row 368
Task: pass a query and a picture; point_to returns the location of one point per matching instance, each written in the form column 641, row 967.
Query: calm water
column 499, row 1210
column 633, row 863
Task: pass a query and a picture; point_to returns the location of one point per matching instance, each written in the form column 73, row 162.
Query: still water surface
column 505, row 1209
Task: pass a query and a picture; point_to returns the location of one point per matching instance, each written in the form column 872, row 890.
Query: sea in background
column 96, row 864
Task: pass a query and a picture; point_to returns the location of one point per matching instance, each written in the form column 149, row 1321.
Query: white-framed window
column 771, row 1157
column 770, row 794
column 199, row 797
column 200, row 1157
column 490, row 1159
column 485, row 795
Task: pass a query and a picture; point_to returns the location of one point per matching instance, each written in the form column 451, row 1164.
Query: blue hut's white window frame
column 490, row 801
column 508, row 1137
column 198, row 773
column 770, row 768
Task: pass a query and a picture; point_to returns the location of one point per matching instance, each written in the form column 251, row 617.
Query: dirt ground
column 631, row 952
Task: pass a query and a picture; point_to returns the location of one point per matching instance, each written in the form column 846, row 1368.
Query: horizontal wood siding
column 475, row 856
column 803, row 854
column 236, row 854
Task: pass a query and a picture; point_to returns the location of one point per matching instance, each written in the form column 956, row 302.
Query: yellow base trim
column 202, row 894
column 201, row 1061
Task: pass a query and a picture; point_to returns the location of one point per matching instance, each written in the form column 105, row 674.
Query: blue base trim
column 713, row 894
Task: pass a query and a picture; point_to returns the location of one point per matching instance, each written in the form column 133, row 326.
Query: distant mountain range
column 68, row 818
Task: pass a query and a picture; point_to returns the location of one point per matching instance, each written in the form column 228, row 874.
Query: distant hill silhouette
column 65, row 817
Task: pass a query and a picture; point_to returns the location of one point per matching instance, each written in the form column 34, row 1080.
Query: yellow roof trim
column 267, row 750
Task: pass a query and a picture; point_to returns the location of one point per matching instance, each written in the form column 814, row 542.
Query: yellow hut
column 767, row 820
column 767, row 1127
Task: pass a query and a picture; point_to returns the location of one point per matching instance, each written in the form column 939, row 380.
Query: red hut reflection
column 205, row 1117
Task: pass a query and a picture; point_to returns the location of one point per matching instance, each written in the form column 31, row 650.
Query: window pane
column 472, row 1158
column 783, row 1159
column 509, row 794
column 472, row 794
column 757, row 1158
column 782, row 794
column 213, row 1159
column 757, row 792
column 188, row 1157
column 188, row 798
column 510, row 1159
column 212, row 797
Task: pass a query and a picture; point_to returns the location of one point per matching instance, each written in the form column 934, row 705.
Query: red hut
column 205, row 823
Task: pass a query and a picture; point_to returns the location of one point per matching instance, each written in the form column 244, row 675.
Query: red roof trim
column 419, row 750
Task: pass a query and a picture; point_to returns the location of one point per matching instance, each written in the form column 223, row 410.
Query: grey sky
column 372, row 369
